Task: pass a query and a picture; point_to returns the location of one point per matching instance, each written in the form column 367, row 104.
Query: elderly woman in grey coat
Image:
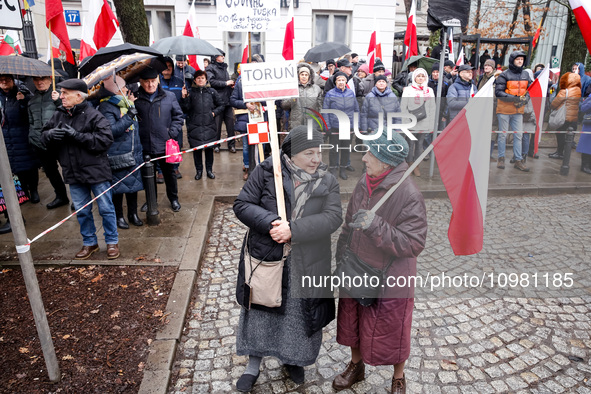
column 310, row 97
column 291, row 332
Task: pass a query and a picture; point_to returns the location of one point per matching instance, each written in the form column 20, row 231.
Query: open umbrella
column 326, row 51
column 127, row 67
column 26, row 66
column 184, row 45
column 422, row 62
column 106, row 54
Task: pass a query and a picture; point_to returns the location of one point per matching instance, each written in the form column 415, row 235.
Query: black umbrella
column 107, row 54
column 326, row 51
column 183, row 45
column 25, row 66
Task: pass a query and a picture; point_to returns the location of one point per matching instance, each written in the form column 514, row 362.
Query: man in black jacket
column 160, row 119
column 81, row 136
column 219, row 79
column 42, row 106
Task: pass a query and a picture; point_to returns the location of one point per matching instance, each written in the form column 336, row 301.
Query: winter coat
column 458, row 95
column 368, row 84
column 310, row 97
column 400, row 82
column 585, row 79
column 202, row 105
column 159, row 120
column 375, row 108
column 484, row 79
column 83, row 159
column 343, row 100
column 181, row 73
column 511, row 84
column 397, row 234
column 572, row 83
column 351, row 82
column 122, row 143
column 41, row 109
column 584, row 145
column 409, row 100
column 15, row 128
column 173, row 85
column 217, row 75
column 256, row 207
column 237, row 102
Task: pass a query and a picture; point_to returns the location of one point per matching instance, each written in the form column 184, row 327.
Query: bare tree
column 133, row 21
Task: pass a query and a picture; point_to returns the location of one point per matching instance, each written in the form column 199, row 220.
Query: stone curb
column 161, row 358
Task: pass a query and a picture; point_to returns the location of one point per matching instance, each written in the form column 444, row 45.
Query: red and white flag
column 538, row 91
column 258, row 133
column 56, row 22
column 245, row 49
column 192, row 30
column 100, row 25
column 410, row 37
column 460, row 61
column 375, row 46
column 289, row 38
column 463, row 151
column 582, row 11
column 450, row 43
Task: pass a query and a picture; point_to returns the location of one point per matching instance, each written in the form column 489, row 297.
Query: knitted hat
column 364, row 68
column 304, row 69
column 297, row 141
column 330, row 61
column 435, row 67
column 380, row 78
column 390, row 152
column 180, row 58
column 489, row 62
column 354, row 55
column 378, row 65
column 339, row 74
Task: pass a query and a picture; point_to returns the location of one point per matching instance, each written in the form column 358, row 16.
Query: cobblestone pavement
column 490, row 341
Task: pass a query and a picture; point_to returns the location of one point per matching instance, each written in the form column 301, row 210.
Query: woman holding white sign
column 276, row 254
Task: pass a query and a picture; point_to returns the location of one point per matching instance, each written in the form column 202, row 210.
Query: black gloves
column 55, row 134
column 132, row 111
column 521, row 101
column 362, row 219
column 70, row 131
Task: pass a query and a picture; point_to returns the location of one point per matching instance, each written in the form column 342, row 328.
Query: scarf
column 304, row 185
column 373, row 182
column 119, row 102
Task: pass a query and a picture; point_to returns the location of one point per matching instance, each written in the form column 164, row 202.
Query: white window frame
column 331, row 15
column 242, row 37
column 156, row 28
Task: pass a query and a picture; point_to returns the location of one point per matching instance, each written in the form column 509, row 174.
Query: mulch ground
column 102, row 320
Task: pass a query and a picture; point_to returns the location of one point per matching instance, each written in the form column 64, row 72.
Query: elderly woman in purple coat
column 390, row 239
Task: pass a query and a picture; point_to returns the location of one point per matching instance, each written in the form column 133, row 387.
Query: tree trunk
column 477, row 14
column 407, row 5
column 527, row 24
column 133, row 22
column 511, row 28
column 575, row 49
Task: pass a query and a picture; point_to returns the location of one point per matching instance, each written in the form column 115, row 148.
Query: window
column 554, row 50
column 161, row 21
column 331, row 27
column 235, row 41
column 419, row 4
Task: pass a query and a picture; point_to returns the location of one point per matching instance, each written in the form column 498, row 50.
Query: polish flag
column 56, row 22
column 289, row 34
column 450, row 43
column 582, row 11
column 460, row 61
column 151, row 36
column 191, row 30
column 375, row 46
column 538, row 91
column 99, row 27
column 462, row 151
column 410, row 37
column 245, row 50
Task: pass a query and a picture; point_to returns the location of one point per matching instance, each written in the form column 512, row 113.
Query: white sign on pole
column 248, row 15
column 269, row 81
column 10, row 15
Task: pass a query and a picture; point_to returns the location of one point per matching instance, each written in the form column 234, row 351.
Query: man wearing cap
column 182, row 69
column 354, row 84
column 369, row 81
column 170, row 82
column 355, row 62
column 511, row 91
column 449, row 72
column 81, row 136
column 403, row 79
column 460, row 91
column 219, row 79
column 160, row 119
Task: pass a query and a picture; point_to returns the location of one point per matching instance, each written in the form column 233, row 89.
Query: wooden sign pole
column 276, row 154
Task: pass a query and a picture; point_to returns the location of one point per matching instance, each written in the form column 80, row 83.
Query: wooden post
column 260, row 146
column 275, row 153
column 50, row 49
column 261, row 153
column 26, row 262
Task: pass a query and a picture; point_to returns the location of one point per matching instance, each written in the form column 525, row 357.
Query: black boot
column 586, row 163
column 6, row 228
column 121, row 223
column 343, row 173
column 58, row 202
column 134, row 219
column 35, row 197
